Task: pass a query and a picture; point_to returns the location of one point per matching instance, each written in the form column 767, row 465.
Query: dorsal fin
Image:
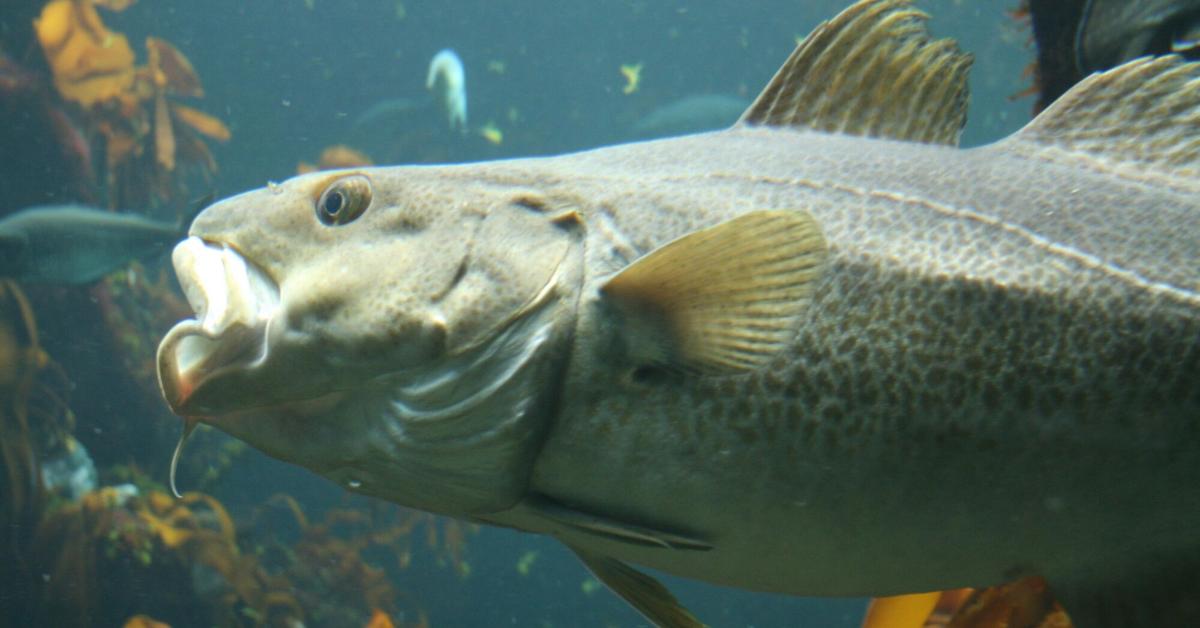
column 873, row 71
column 1145, row 113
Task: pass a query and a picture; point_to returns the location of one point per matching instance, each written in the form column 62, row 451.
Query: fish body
column 877, row 455
column 74, row 244
column 964, row 327
column 823, row 352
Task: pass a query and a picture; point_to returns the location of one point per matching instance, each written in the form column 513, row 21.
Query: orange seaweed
column 1025, row 603
column 90, row 63
column 900, row 611
column 164, row 135
column 335, row 157
column 129, row 110
column 143, row 621
column 23, row 499
column 380, row 619
column 330, row 555
column 203, row 123
column 110, row 537
column 171, row 71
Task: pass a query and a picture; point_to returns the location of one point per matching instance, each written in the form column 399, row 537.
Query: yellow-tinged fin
column 380, row 619
column 642, row 592
column 722, row 299
column 901, row 611
column 144, row 621
column 870, row 71
column 1143, row 113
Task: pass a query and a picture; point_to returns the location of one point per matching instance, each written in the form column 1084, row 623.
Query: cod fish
column 823, row 352
column 74, row 244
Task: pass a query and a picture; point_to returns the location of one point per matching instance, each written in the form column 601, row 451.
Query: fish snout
column 234, row 301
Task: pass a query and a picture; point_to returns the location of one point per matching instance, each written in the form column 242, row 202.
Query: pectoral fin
column 644, row 593
column 723, row 299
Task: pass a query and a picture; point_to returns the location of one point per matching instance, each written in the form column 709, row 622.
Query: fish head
column 388, row 328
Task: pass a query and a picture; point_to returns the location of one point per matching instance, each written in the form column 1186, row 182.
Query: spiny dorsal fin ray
column 872, row 71
column 1144, row 113
column 642, row 592
column 721, row 299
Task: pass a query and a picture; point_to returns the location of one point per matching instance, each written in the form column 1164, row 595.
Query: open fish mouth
column 234, row 302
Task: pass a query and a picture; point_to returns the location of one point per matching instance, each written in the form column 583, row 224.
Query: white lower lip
column 221, row 287
column 234, row 302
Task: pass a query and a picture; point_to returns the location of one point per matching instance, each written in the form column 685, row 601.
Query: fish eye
column 344, row 200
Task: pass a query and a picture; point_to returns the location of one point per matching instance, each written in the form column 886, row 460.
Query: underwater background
column 91, row 536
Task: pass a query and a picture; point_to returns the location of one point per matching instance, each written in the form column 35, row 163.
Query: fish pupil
column 344, row 201
column 334, row 203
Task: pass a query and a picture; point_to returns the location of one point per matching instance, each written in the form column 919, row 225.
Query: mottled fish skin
column 991, row 333
column 997, row 376
column 993, row 373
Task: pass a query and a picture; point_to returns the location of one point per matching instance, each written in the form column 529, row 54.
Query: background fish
column 74, row 244
column 387, row 111
column 1077, row 37
column 691, row 114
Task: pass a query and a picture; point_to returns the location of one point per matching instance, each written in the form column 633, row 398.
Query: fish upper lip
column 234, row 302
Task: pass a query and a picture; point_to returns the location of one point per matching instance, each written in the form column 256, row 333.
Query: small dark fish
column 74, row 244
column 388, row 110
column 1112, row 32
column 1078, row 37
column 691, row 114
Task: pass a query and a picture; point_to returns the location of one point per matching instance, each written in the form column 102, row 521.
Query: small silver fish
column 822, row 352
column 448, row 80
